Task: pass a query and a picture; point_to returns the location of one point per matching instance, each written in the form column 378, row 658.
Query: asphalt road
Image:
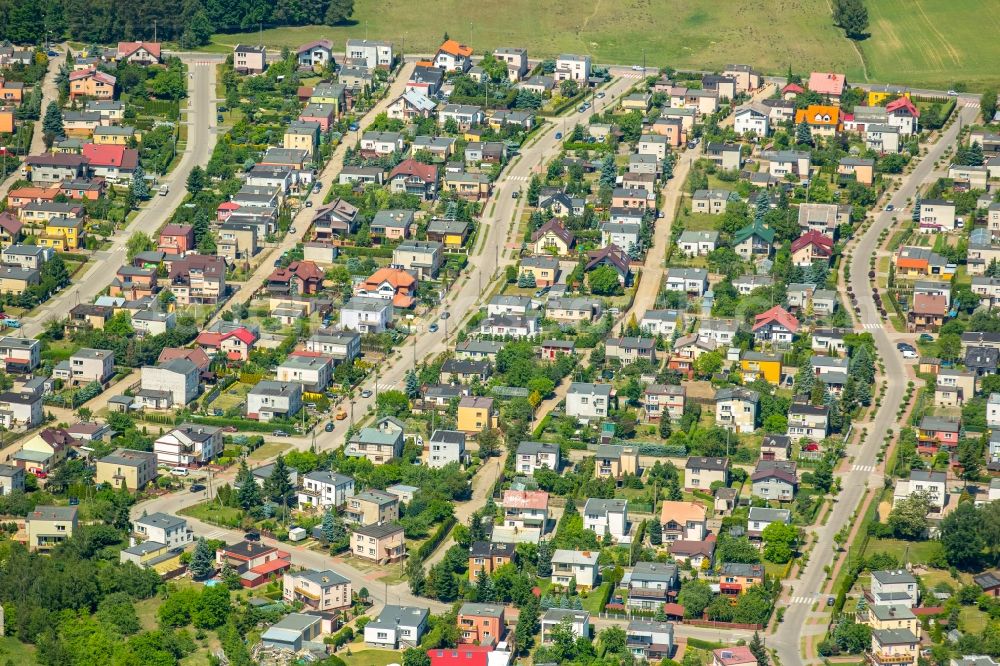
column 790, row 633
column 202, row 133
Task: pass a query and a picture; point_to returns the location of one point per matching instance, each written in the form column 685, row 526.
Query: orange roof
column 394, row 276
column 456, row 49
column 681, row 512
column 525, row 499
column 425, row 63
column 34, row 193
column 818, row 114
column 909, row 262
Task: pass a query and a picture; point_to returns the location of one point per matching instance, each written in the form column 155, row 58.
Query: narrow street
column 800, row 622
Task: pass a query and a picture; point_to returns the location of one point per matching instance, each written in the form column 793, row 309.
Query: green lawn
column 931, row 42
column 972, row 620
column 17, row 652
column 701, row 221
column 593, row 600
column 372, row 658
column 211, row 512
column 702, row 33
column 914, row 552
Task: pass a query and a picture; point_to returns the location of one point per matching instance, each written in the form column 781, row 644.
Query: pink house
column 323, row 114
column 935, row 431
column 827, row 83
column 225, row 209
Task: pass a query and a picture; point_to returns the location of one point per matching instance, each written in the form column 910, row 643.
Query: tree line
column 191, row 24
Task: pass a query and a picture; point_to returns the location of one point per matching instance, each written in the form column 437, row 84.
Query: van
column 179, row 471
column 163, row 190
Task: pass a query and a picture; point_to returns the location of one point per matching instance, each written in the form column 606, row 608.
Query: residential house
column 476, row 414
column 737, row 577
column 126, row 468
column 752, row 118
column 270, row 399
column 198, row 279
column 91, row 83
column 808, row 421
column 378, row 543
column 379, row 444
column 663, row 400
column 933, row 485
column 249, row 59
column 573, row 68
column 701, row 472
column 49, row 526
column 648, row 640
column 776, row 325
column 612, row 461
column 532, row 456
column 578, row 620
column 187, row 445
column 172, row 384
column 234, row 341
column 488, row 557
column 588, row 401
column 366, row 315
column 445, row 447
column 936, row 431
column 775, row 480
column 737, row 409
column 754, row 240
column 651, row 584
column 760, row 517
column 575, row 565
column 525, row 509
column 324, row 489
column 371, row 507
column 683, row 521
column 412, row 177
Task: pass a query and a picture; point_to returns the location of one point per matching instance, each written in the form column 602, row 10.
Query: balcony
column 887, row 658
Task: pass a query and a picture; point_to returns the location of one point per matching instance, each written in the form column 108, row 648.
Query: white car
column 637, row 68
column 909, row 353
column 952, row 93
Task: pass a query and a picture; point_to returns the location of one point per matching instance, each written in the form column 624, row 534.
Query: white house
column 269, row 399
column 760, row 517
column 323, row 489
column 177, row 378
column 588, row 401
column 889, row 586
column 692, row 281
column 445, row 447
column 753, row 118
column 312, row 370
column 574, row 565
column 397, row 627
column 661, row 322
column 532, row 456
column 365, row 314
column 573, row 68
column 607, row 516
column 579, row 622
column 932, row 484
column 171, row 531
column 188, row 444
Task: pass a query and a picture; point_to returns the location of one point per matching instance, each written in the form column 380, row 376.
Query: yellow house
column 63, row 233
column 755, row 365
column 114, row 135
column 126, row 468
column 612, row 461
column 301, row 136
column 48, row 526
column 476, row 414
column 881, row 94
column 889, row 616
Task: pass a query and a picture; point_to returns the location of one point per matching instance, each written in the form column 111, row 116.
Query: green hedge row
column 427, row 547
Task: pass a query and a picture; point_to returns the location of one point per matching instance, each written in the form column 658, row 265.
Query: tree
column 207, row 245
column 852, row 16
column 52, row 124
column 609, row 173
column 445, row 587
column 416, row 657
column 329, row 526
column 655, row 533
column 248, row 494
column 708, row 364
column 489, row 442
column 779, row 541
column 545, row 559
column 196, row 180
column 278, row 486
column 603, row 281
column 613, row 639
column 412, row 385
column 212, row 608
column 527, row 625
column 140, row 188
column 758, row 650
column 988, row 104
column 970, row 457
column 695, row 596
column 338, row 12
column 803, row 134
column 202, row 560
column 392, row 403
column 665, row 429
column 137, row 244
column 960, row 535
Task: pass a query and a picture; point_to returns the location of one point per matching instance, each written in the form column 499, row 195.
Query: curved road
column 795, row 627
column 202, row 133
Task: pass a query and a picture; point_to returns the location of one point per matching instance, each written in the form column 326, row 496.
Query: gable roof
column 454, row 48
column 755, row 229
column 823, row 243
column 827, row 83
column 411, row 167
column 778, row 315
column 125, row 49
column 557, row 228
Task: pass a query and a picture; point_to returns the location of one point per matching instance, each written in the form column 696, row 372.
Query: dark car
column 329, row 426
column 197, row 487
column 252, row 536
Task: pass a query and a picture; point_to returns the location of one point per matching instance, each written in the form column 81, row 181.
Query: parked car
column 366, row 393
column 280, row 433
column 197, row 487
column 926, row 337
column 354, row 127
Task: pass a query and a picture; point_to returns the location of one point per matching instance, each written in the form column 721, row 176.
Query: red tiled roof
column 125, row 49
column 827, row 83
column 673, row 609
column 813, row 237
column 525, row 499
column 10, row 223
column 778, row 315
column 932, row 304
column 111, row 156
column 228, row 205
column 212, row 339
column 394, row 276
column 463, row 655
column 176, row 230
column 196, row 356
column 411, row 167
column 903, row 103
column 94, row 72
column 271, row 566
column 792, row 88
column 556, row 227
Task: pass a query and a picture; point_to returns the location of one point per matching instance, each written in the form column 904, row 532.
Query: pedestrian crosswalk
column 632, row 75
column 217, row 534
column 802, row 600
column 519, row 179
column 872, row 327
column 972, row 104
column 203, row 62
column 863, row 468
column 385, row 387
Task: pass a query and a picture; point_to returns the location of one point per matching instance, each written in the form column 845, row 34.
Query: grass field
column 17, row 652
column 913, row 552
column 923, row 43
column 696, row 33
column 931, row 41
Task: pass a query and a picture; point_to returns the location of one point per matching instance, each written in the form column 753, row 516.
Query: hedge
column 354, row 251
column 428, row 547
column 704, row 645
column 668, row 450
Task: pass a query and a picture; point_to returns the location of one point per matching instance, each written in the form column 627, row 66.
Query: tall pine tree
column 202, row 562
